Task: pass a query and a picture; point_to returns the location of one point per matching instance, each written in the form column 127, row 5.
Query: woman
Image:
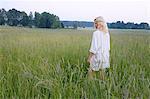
column 100, row 48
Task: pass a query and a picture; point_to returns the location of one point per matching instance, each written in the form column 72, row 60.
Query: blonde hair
column 101, row 20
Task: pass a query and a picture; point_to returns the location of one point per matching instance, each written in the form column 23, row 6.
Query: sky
column 86, row 10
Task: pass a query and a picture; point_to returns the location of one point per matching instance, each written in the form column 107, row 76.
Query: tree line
column 114, row 25
column 14, row 17
column 128, row 25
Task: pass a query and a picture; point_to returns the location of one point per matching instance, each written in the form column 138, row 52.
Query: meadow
column 52, row 64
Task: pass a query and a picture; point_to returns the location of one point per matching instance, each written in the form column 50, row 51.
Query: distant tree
column 2, row 21
column 62, row 25
column 2, row 16
column 144, row 25
column 129, row 25
column 75, row 25
column 113, row 25
column 55, row 21
column 119, row 24
column 37, row 19
column 13, row 17
column 46, row 20
column 31, row 20
column 24, row 19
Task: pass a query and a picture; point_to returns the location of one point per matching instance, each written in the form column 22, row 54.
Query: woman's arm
column 93, row 47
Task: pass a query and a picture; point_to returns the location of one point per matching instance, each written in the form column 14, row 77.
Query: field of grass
column 45, row 63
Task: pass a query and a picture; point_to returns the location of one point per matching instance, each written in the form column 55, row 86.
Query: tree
column 75, row 25
column 2, row 16
column 144, row 25
column 56, row 23
column 24, row 19
column 31, row 20
column 45, row 20
column 130, row 25
column 37, row 19
column 62, row 25
column 2, row 21
column 13, row 17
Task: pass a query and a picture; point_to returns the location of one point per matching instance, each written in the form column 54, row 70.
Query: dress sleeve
column 94, row 44
column 109, row 41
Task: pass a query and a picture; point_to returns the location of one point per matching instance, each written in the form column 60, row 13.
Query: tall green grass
column 45, row 63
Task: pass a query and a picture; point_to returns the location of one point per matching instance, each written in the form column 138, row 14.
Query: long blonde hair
column 101, row 20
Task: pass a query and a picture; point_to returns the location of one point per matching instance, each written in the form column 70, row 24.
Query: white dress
column 100, row 47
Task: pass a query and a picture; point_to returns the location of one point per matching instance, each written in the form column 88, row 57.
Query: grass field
column 45, row 63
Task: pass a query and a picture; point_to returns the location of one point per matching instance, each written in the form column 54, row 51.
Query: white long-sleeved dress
column 100, row 47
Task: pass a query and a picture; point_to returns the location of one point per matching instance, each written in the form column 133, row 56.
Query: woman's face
column 98, row 25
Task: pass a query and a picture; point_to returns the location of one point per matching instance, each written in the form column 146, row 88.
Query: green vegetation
column 14, row 17
column 51, row 63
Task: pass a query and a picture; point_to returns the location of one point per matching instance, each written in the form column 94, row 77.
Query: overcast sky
column 86, row 10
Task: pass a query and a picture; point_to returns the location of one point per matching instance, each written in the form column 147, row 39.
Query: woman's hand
column 90, row 56
column 89, row 59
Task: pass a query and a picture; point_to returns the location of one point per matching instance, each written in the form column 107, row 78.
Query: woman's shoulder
column 108, row 34
column 97, row 32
